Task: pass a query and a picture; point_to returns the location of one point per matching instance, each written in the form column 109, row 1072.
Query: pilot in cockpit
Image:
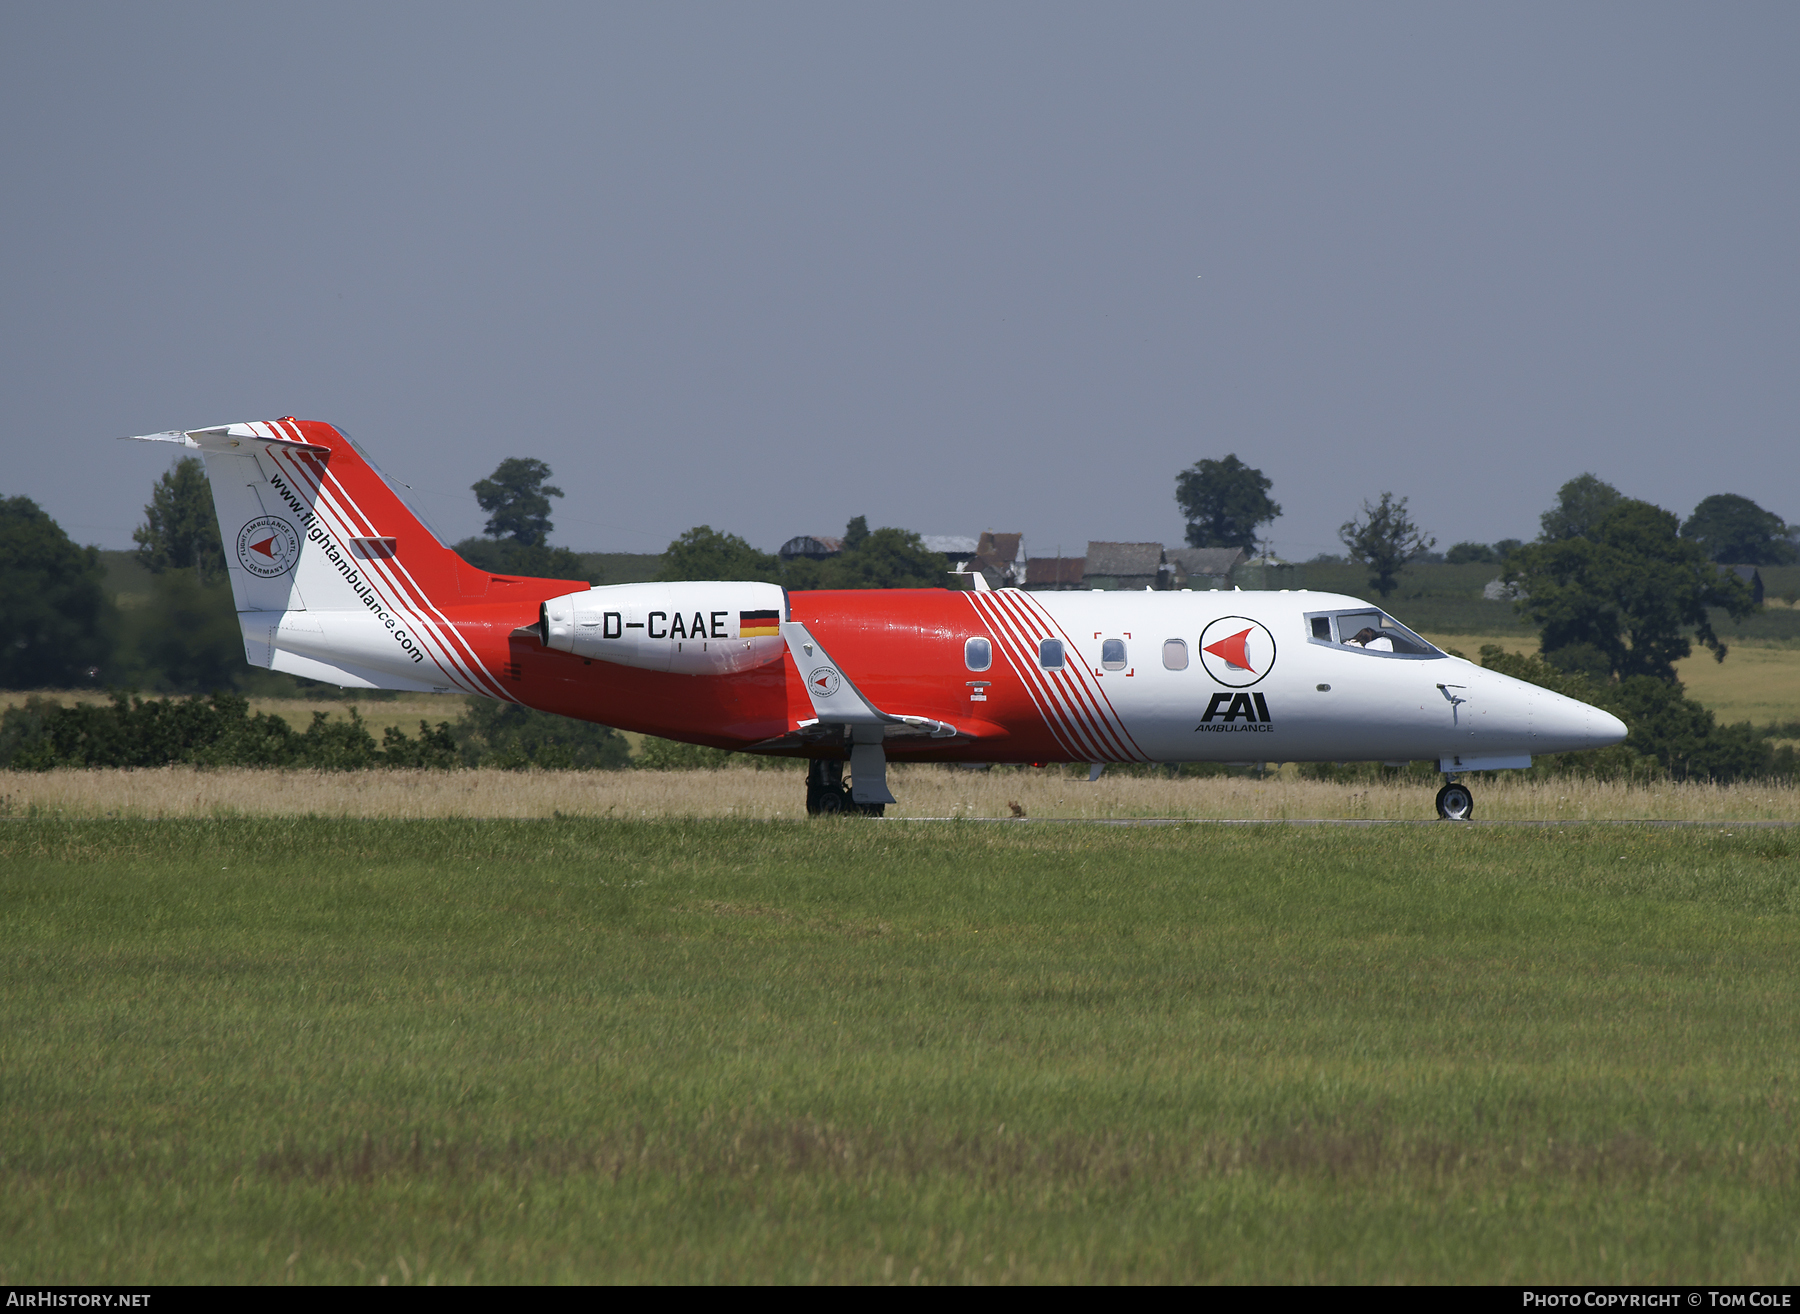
column 1371, row 639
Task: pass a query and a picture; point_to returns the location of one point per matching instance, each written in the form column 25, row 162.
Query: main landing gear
column 828, row 796
column 1455, row 802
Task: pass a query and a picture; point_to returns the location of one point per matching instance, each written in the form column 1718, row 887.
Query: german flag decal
column 758, row 624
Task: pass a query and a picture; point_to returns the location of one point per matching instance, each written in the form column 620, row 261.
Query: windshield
column 1367, row 629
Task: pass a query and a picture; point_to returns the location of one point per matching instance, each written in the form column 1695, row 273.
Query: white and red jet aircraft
column 336, row 579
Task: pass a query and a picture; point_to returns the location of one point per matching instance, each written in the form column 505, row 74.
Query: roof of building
column 811, row 545
column 1040, row 571
column 958, row 545
column 1124, row 559
column 1001, row 548
column 1206, row 561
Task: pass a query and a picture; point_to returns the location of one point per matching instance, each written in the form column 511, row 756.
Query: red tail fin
column 336, row 577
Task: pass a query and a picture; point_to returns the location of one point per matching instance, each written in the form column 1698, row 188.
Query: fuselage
column 1136, row 681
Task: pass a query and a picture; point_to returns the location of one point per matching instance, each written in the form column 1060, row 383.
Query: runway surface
column 1725, row 826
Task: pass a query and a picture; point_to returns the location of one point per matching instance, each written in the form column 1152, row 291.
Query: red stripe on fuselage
column 1095, row 696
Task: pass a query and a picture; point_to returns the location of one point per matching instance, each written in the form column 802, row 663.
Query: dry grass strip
column 924, row 791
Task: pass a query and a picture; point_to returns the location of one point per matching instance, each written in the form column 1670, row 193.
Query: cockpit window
column 1369, row 630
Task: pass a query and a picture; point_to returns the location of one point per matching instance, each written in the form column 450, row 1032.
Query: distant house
column 1751, row 576
column 1125, row 566
column 814, row 547
column 1054, row 574
column 1203, row 568
column 1000, row 558
column 1267, row 572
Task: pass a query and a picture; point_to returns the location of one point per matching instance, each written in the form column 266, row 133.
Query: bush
column 1468, row 554
column 669, row 755
column 512, row 737
column 217, row 731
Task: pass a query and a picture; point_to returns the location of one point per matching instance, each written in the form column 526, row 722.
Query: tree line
column 1619, row 589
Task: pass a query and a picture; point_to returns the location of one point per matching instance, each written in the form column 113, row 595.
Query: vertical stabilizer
column 334, row 576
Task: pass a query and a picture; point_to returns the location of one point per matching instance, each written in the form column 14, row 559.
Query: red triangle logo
column 263, row 547
column 1232, row 652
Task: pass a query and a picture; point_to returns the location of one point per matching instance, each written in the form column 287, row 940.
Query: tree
column 706, row 553
column 1736, row 530
column 186, row 638
column 1224, row 502
column 1626, row 595
column 1471, row 554
column 517, row 500
column 1384, row 540
column 1580, row 504
column 505, row 557
column 855, row 532
column 55, row 618
column 181, row 529
column 883, row 559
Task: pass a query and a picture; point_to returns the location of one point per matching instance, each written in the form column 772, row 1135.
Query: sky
column 950, row 266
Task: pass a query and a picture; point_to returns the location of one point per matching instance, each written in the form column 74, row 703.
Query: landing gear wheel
column 1455, row 802
column 825, row 792
column 828, row 796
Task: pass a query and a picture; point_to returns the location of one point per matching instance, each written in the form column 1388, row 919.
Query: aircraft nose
column 1572, row 725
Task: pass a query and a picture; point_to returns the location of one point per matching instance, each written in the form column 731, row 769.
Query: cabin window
column 1175, row 654
column 1050, row 654
column 978, row 654
column 1367, row 630
column 1112, row 654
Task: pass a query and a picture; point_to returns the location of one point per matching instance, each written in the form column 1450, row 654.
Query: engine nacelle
column 688, row 628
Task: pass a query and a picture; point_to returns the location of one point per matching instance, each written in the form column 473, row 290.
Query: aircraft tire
column 829, row 804
column 1455, row 803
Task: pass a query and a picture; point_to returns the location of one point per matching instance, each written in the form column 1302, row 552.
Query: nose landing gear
column 1455, row 802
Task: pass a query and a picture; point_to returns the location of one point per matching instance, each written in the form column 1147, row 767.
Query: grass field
column 298, row 1050
column 739, row 792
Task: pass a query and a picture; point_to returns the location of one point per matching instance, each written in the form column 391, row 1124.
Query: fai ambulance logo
column 268, row 546
column 1237, row 652
column 823, row 682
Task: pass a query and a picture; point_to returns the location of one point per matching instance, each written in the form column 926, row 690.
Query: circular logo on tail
column 268, row 546
column 823, row 682
column 1236, row 651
